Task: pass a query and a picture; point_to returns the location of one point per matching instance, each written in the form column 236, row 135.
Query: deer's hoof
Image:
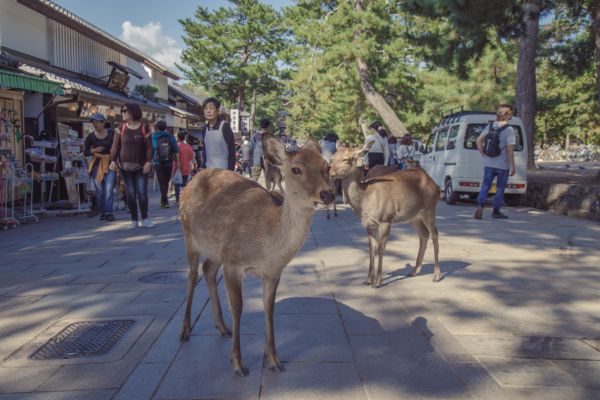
column 185, row 336
column 436, row 278
column 367, row 282
column 225, row 331
column 376, row 285
column 241, row 371
column 276, row 366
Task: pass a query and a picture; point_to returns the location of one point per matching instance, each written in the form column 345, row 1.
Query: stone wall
column 576, row 200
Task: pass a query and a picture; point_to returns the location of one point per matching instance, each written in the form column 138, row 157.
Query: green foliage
column 148, row 91
column 233, row 50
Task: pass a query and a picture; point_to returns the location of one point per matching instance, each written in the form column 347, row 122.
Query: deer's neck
column 353, row 191
column 293, row 227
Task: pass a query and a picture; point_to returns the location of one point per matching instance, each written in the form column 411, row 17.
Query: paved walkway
column 517, row 314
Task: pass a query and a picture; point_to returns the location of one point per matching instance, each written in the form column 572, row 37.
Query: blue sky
column 149, row 25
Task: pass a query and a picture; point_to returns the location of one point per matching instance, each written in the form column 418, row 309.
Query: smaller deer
column 235, row 222
column 273, row 176
column 401, row 196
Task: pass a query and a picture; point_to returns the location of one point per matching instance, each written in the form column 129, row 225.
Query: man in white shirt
column 501, row 166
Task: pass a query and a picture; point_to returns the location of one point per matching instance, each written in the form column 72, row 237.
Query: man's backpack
column 163, row 150
column 491, row 143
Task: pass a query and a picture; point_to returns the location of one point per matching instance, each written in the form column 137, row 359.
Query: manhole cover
column 83, row 339
column 164, row 277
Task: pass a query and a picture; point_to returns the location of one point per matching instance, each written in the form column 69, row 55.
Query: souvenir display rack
column 74, row 166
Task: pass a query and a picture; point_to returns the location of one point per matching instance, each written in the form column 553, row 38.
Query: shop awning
column 76, row 85
column 15, row 80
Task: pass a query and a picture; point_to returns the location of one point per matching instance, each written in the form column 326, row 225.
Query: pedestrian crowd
column 127, row 156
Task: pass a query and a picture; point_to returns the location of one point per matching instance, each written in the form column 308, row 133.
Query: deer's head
column 345, row 161
column 306, row 171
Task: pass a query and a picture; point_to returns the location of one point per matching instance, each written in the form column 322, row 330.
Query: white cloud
column 151, row 40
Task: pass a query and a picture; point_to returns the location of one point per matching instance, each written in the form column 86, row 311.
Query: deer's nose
column 326, row 196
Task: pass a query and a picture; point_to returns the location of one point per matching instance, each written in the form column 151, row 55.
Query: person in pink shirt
column 186, row 154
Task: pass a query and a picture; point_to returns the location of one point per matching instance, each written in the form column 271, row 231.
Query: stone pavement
column 516, row 315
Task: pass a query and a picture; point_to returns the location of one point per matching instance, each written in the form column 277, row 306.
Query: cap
column 375, row 125
column 97, row 117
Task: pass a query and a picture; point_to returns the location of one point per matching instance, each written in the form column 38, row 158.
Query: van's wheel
column 450, row 195
column 512, row 200
column 473, row 196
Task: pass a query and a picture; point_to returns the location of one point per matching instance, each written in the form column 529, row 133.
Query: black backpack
column 163, row 150
column 491, row 144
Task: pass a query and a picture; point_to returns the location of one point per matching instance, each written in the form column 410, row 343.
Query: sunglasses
column 124, row 110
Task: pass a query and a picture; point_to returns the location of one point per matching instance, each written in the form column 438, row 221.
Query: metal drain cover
column 164, row 277
column 90, row 340
column 84, row 339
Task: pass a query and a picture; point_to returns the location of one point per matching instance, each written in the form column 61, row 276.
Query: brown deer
column 401, row 196
column 273, row 176
column 235, row 222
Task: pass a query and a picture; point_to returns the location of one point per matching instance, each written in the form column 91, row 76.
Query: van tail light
column 468, row 184
column 515, row 186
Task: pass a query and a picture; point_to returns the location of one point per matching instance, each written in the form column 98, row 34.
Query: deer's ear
column 273, row 150
column 311, row 144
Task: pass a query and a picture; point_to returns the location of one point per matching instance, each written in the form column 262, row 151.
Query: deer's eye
column 296, row 171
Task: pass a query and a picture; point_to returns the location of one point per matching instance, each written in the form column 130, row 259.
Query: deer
column 401, row 196
column 235, row 222
column 273, row 176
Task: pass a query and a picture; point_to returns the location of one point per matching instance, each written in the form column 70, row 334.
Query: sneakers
column 102, row 217
column 165, row 205
column 134, row 224
column 499, row 215
column 146, row 223
column 109, row 217
column 478, row 213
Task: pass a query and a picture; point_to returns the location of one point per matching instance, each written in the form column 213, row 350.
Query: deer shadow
column 447, row 268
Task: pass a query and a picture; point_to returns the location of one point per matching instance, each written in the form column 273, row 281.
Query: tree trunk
column 374, row 98
column 526, row 83
column 378, row 102
column 241, row 95
column 596, row 18
column 364, row 126
column 252, row 111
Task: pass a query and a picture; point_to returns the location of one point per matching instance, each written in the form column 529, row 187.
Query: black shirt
column 92, row 141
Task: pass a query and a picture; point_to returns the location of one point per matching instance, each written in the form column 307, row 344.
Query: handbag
column 177, row 178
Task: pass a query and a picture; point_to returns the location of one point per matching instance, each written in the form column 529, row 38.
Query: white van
column 451, row 157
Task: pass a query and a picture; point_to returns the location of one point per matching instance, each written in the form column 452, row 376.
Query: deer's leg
column 193, row 258
column 233, row 281
column 210, row 269
column 423, row 234
column 384, row 233
column 372, row 231
column 430, row 223
column 269, row 292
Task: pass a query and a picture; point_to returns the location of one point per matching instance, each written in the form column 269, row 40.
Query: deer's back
column 222, row 210
column 399, row 196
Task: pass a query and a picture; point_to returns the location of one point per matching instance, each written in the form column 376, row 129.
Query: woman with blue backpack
column 165, row 151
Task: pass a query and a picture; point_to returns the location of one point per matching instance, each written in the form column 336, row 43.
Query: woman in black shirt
column 98, row 145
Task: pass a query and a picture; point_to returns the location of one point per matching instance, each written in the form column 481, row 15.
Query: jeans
column 136, row 186
column 489, row 174
column 163, row 175
column 178, row 187
column 104, row 190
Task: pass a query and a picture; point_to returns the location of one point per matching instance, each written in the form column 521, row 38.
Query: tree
column 509, row 19
column 360, row 43
column 233, row 50
column 147, row 91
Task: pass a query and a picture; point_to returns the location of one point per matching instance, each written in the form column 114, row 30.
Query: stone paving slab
column 517, row 307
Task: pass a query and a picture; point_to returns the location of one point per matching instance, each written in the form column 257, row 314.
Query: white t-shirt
column 507, row 136
column 380, row 145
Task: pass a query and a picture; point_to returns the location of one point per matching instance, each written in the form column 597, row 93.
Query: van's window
column 440, row 143
column 429, row 147
column 452, row 137
column 474, row 130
